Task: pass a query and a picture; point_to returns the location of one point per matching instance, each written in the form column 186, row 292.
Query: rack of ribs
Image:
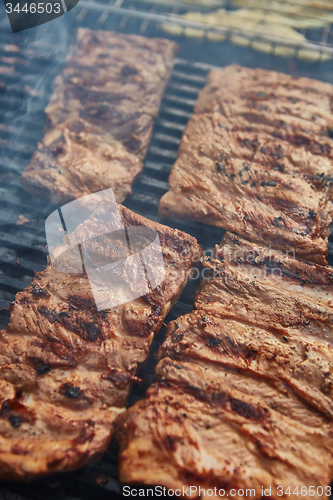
column 256, row 159
column 66, row 367
column 243, row 391
column 100, row 116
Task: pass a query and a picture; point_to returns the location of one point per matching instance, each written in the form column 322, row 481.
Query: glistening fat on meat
column 66, row 368
column 256, row 159
column 243, row 397
column 100, row 116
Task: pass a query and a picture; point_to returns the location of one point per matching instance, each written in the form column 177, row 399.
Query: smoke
column 35, row 57
column 49, row 41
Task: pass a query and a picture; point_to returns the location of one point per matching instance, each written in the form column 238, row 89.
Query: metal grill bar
column 132, row 11
column 22, row 248
column 23, row 263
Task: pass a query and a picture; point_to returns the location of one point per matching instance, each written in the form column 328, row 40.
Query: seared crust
column 100, row 116
column 78, row 158
column 243, row 396
column 66, row 368
column 257, row 160
column 235, row 90
column 264, row 189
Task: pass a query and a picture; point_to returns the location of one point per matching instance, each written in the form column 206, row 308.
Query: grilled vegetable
column 259, row 26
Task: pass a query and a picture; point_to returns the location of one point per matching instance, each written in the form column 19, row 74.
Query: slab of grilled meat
column 78, row 158
column 66, row 368
column 261, row 187
column 298, row 110
column 100, row 116
column 243, row 397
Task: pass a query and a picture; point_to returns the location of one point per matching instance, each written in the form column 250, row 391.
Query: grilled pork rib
column 243, row 397
column 238, row 167
column 66, row 368
column 237, row 91
column 100, row 116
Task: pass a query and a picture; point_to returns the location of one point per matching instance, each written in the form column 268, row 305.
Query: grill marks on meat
column 243, row 397
column 265, row 190
column 100, row 116
column 285, row 106
column 66, row 369
column 244, row 173
column 76, row 159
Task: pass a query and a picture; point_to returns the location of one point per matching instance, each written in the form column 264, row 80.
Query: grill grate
column 318, row 40
column 29, row 80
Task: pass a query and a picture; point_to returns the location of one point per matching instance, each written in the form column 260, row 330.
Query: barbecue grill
column 29, row 62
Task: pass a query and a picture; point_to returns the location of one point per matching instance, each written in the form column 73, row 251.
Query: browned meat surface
column 108, row 93
column 81, row 158
column 286, row 106
column 243, row 397
column 66, row 368
column 261, row 187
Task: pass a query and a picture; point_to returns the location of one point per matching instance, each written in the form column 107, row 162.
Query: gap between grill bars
column 23, row 247
column 23, row 250
column 159, row 12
